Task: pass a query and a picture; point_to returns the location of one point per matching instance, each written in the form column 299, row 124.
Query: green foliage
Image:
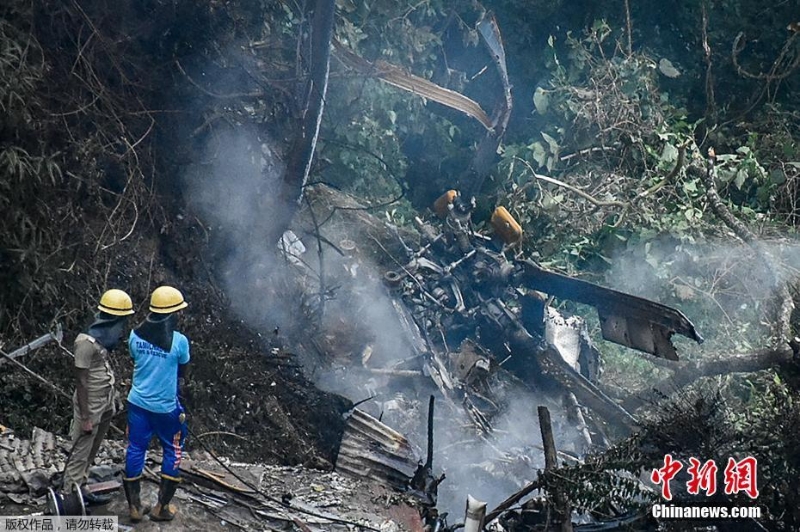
column 605, row 482
column 399, row 32
column 764, row 421
column 380, row 141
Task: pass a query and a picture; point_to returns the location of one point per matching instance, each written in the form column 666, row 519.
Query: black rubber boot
column 133, row 495
column 164, row 511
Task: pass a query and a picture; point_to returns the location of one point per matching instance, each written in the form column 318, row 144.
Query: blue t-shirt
column 155, row 372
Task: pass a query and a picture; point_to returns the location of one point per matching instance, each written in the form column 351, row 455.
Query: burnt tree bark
column 551, row 463
column 282, row 207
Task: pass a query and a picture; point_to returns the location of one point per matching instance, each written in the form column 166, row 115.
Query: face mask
column 107, row 331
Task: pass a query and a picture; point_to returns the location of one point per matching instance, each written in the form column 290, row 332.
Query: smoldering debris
column 447, row 323
column 453, row 321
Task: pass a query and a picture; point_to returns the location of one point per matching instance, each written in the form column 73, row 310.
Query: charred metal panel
column 638, row 334
column 627, row 320
column 553, row 365
column 371, row 449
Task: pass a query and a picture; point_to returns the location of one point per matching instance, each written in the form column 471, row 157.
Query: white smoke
column 726, row 288
column 231, row 188
column 359, row 326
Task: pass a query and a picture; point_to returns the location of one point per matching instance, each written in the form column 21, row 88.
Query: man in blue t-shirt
column 159, row 355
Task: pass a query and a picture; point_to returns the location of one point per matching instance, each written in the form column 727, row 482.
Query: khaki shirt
column 89, row 354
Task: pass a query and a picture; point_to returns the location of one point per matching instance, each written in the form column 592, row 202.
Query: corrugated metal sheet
column 371, row 449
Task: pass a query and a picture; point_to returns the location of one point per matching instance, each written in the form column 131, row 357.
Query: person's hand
column 87, row 426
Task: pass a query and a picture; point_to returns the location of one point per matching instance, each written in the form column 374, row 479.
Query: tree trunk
column 687, row 373
column 280, row 209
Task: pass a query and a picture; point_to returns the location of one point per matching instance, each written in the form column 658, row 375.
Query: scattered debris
column 212, row 497
column 28, row 467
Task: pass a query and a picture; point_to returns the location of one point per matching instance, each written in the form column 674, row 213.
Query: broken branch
column 783, row 303
column 222, row 433
column 688, row 372
column 513, row 499
column 588, row 197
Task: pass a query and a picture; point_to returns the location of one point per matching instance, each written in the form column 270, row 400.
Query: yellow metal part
column 506, row 227
column 440, row 206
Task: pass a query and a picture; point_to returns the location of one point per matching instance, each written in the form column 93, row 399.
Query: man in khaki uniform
column 93, row 404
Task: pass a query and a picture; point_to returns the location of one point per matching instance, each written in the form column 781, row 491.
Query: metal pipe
column 43, row 340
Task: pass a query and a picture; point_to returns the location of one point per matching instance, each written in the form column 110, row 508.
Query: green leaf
column 539, row 154
column 553, row 143
column 741, row 176
column 777, row 177
column 725, row 175
column 541, row 100
column 669, row 154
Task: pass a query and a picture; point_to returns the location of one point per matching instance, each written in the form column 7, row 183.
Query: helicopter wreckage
column 471, row 305
column 459, row 288
column 475, row 315
column 477, row 320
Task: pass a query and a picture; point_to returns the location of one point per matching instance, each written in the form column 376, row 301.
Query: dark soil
column 239, row 382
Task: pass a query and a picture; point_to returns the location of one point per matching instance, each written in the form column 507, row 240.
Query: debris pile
column 29, row 466
column 216, row 493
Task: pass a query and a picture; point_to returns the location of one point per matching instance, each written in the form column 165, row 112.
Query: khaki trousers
column 84, row 449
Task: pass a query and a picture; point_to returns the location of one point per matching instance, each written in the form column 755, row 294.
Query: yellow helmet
column 116, row 302
column 166, row 300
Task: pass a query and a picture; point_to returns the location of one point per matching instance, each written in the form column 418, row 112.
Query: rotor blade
column 625, row 319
